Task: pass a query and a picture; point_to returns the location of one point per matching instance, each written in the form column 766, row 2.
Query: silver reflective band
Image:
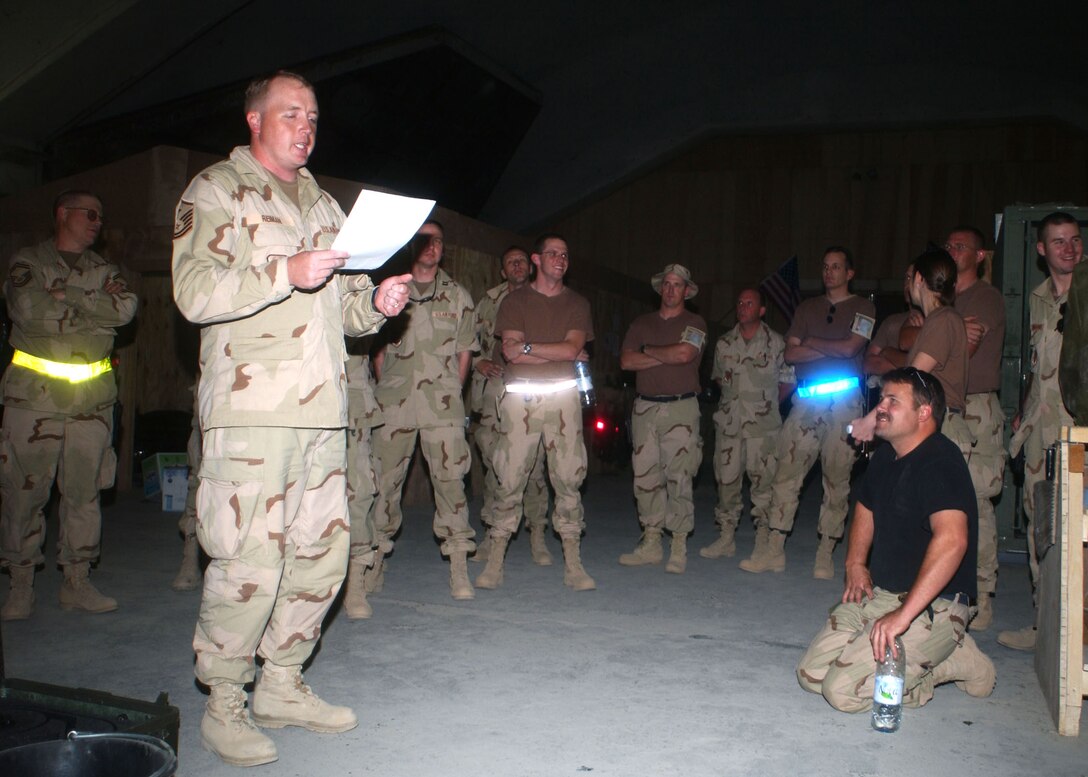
column 544, row 387
column 823, row 388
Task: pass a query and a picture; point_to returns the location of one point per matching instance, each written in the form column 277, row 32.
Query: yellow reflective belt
column 73, row 373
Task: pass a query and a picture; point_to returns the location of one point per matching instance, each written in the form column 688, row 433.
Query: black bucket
column 92, row 755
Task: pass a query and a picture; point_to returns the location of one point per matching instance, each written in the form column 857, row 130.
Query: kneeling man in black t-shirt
column 910, row 566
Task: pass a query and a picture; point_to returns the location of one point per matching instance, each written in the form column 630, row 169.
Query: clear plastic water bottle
column 585, row 384
column 888, row 689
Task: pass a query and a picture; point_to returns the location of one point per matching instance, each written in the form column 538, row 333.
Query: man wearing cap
column 824, row 343
column 663, row 349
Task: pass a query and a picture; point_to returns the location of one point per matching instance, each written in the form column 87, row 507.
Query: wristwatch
column 527, row 348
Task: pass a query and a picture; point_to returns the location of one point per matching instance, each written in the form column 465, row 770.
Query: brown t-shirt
column 985, row 303
column 810, row 320
column 652, row 329
column 887, row 336
column 543, row 319
column 944, row 338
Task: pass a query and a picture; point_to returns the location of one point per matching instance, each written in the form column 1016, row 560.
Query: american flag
column 783, row 286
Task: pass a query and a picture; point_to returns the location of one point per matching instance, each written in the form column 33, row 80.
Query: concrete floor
column 651, row 674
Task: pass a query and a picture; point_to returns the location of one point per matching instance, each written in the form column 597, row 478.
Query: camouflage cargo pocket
column 226, row 504
column 107, row 470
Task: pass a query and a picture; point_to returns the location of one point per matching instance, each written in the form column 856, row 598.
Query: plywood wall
column 732, row 208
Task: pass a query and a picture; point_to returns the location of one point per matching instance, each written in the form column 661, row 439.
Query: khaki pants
column 486, row 436
column 525, row 422
column 667, row 454
column 448, row 459
column 272, row 514
column 38, row 449
column 362, row 493
column 815, row 427
column 839, row 662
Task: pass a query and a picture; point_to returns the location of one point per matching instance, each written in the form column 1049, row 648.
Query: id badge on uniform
column 693, row 336
column 863, row 325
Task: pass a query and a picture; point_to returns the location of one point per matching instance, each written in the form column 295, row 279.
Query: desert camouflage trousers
column 668, row 450
column 839, row 662
column 815, row 427
column 448, row 459
column 735, row 456
column 986, row 425
column 187, row 521
column 272, row 514
column 362, row 494
column 525, row 422
column 1034, row 473
column 38, row 449
column 486, row 435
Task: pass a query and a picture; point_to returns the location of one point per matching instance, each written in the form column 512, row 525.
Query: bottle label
column 888, row 689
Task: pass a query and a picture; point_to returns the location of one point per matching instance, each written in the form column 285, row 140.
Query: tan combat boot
column 77, row 592
column 648, row 550
column 228, row 731
column 678, row 554
column 356, row 607
column 770, row 558
column 969, row 668
column 725, row 545
column 575, row 574
column 824, row 568
column 460, row 586
column 1022, row 639
column 280, row 698
column 20, row 603
column 491, row 577
column 483, row 549
column 538, row 547
column 374, row 575
column 985, row 617
column 189, row 575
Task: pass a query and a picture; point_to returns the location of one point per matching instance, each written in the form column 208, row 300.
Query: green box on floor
column 153, row 470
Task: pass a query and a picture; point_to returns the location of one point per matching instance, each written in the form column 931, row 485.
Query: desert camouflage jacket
column 749, row 373
column 270, row 354
column 76, row 330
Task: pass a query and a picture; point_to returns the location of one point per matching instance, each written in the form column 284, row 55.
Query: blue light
column 827, row 387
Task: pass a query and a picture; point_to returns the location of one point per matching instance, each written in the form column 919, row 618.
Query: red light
column 600, row 425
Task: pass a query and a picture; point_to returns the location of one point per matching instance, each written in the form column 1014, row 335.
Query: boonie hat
column 680, row 270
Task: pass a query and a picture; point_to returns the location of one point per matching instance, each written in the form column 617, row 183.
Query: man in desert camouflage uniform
column 421, row 368
column 824, row 344
column 484, row 394
column 544, row 327
column 663, row 348
column 1039, row 423
column 65, row 302
column 754, row 379
column 253, row 265
column 364, row 415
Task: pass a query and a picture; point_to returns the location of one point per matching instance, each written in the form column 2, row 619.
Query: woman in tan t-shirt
column 940, row 347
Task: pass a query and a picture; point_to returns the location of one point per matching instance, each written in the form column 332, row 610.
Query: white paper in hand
column 378, row 225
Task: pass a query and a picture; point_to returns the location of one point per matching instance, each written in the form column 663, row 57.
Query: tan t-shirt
column 810, row 320
column 985, row 303
column 543, row 319
column 652, row 329
column 944, row 338
column 887, row 335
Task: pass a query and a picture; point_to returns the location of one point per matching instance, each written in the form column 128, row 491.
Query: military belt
column 540, row 387
column 73, row 373
column 666, row 397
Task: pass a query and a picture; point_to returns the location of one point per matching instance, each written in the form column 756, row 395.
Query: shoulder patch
column 183, row 219
column 20, row 274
